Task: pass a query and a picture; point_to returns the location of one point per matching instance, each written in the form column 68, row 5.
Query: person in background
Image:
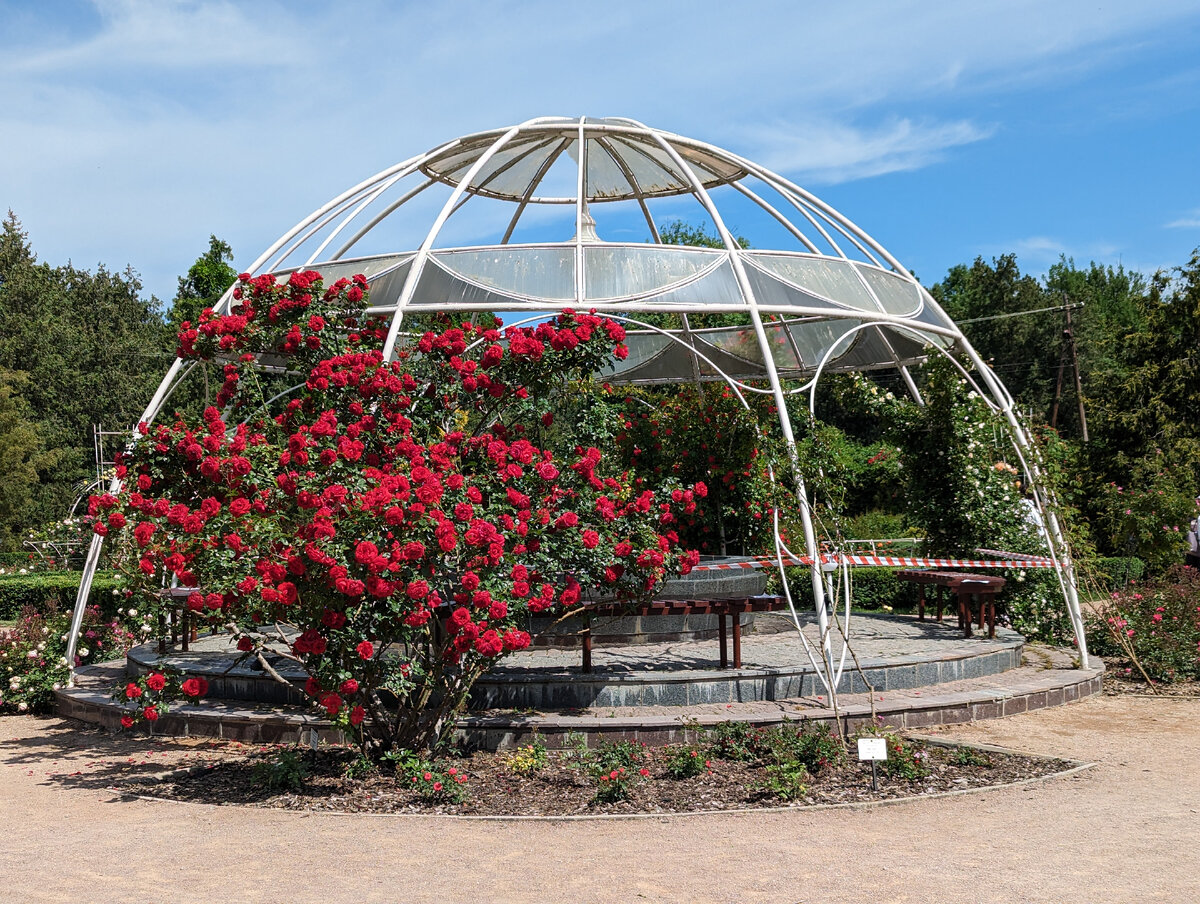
column 1193, row 553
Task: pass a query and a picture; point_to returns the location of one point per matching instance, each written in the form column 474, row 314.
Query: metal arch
column 1001, row 403
column 780, row 400
column 534, row 182
column 633, row 137
column 382, row 215
column 350, row 217
column 774, row 212
column 422, row 255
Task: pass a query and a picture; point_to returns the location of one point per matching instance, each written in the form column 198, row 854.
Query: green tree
column 205, row 283
column 1146, row 405
column 93, row 349
column 23, row 457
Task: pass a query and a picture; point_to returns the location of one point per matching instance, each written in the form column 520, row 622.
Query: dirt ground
column 1127, row 830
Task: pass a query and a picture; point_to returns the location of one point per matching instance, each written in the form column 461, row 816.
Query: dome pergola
column 558, row 213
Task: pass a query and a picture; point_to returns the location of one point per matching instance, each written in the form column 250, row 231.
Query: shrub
column 685, row 761
column 406, row 514
column 33, row 654
column 529, row 759
column 285, row 771
column 1115, row 572
column 1157, row 624
column 735, row 741
column 1034, row 602
column 57, row 588
column 786, row 781
column 611, row 755
column 614, row 784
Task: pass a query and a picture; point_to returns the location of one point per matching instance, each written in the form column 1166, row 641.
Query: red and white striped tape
column 885, row 562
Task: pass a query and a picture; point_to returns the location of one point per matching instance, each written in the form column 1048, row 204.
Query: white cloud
column 174, row 118
column 1188, row 221
column 830, row 152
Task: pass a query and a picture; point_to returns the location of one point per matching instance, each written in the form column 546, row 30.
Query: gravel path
column 1127, row 830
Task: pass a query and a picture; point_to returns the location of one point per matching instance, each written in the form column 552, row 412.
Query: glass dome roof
column 518, row 225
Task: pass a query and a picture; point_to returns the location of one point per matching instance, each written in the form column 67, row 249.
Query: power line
column 1061, row 307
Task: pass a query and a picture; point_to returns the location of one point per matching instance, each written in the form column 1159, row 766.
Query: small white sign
column 872, row 748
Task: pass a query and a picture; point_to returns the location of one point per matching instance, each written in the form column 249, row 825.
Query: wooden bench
column 724, row 609
column 982, row 588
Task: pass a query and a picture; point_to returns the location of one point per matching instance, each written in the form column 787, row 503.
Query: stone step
column 1032, row 686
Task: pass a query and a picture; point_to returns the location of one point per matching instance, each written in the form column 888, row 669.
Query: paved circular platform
column 894, row 652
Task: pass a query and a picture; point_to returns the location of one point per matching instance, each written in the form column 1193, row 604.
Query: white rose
column 132, row 613
column 84, row 651
column 22, row 706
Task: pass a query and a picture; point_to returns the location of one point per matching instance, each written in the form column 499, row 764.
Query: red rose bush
column 395, row 521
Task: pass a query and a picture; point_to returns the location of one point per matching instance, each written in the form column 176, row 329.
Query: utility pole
column 1078, row 383
column 1068, row 350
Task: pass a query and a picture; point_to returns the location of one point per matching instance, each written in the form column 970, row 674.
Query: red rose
column 195, row 687
column 357, row 715
column 127, row 721
column 365, row 649
column 349, row 687
column 245, row 644
column 156, row 682
column 150, row 714
column 132, row 691
column 591, row 539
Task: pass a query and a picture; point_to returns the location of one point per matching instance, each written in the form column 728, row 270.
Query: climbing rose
column 366, row 649
column 156, row 682
column 195, row 687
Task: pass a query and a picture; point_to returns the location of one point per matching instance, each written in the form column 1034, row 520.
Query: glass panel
column 832, row 279
column 815, row 337
column 718, row 286
column 331, row 271
column 604, row 178
column 770, row 291
column 650, row 165
column 739, row 341
column 898, row 295
column 622, row 271
column 719, row 168
column 930, row 314
column 444, row 291
column 386, row 289
column 538, row 273
column 514, row 181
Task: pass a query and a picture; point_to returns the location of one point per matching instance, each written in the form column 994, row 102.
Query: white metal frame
column 691, row 168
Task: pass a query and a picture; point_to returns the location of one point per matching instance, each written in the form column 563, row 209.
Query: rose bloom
column 156, row 682
column 150, row 714
column 195, row 687
column 365, row 649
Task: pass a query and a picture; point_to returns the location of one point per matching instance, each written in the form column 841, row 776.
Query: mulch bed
column 563, row 788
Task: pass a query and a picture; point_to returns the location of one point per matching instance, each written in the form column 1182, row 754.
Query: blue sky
column 132, row 129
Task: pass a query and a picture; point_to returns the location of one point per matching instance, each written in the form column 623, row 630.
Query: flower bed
column 740, row 768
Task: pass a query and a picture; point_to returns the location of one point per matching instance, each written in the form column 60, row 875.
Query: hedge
column 58, row 587
column 1114, row 573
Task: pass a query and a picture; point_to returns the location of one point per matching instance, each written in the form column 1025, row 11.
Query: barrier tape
column 884, row 562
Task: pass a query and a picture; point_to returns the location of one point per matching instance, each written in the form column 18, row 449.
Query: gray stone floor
column 878, row 640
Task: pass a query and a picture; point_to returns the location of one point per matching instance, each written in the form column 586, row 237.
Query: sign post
column 873, row 749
